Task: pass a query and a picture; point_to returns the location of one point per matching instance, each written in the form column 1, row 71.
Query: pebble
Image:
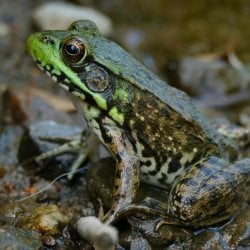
column 46, row 219
column 245, row 117
column 12, row 238
column 4, row 29
column 55, row 15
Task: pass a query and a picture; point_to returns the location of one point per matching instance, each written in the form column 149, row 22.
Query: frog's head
column 82, row 62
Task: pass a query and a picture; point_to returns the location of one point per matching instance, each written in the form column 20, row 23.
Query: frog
column 152, row 130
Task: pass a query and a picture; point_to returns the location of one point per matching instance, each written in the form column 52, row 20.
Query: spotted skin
column 210, row 187
column 150, row 128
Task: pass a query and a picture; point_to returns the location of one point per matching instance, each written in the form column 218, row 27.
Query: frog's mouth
column 61, row 79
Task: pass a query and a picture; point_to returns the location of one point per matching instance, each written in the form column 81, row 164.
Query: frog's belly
column 162, row 175
column 161, row 179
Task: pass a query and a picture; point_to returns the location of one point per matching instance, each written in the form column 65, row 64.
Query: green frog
column 151, row 129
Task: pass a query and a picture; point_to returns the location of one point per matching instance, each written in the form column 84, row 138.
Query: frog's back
column 127, row 67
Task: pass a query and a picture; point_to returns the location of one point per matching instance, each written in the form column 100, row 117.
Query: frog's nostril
column 47, row 39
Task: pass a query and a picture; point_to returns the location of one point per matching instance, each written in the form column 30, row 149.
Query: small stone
column 48, row 240
column 45, row 219
column 245, row 117
column 4, row 29
column 88, row 210
column 18, row 238
column 57, row 15
column 2, row 172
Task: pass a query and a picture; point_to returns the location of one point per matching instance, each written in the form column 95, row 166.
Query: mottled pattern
column 165, row 141
column 166, row 131
column 144, row 121
column 210, row 191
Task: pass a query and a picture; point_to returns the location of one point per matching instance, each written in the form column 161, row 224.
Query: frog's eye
column 73, row 50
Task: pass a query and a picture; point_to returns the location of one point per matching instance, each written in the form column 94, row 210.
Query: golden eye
column 74, row 50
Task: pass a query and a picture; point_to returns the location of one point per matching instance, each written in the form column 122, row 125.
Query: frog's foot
column 142, row 210
column 166, row 222
column 159, row 238
column 74, row 145
column 160, row 224
column 131, row 209
column 237, row 133
column 159, row 209
column 210, row 192
column 100, row 210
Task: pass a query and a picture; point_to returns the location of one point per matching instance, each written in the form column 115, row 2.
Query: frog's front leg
column 209, row 192
column 127, row 171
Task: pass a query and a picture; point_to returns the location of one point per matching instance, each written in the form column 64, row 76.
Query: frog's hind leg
column 209, row 192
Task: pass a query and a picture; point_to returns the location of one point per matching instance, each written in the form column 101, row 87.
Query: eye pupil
column 72, row 49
